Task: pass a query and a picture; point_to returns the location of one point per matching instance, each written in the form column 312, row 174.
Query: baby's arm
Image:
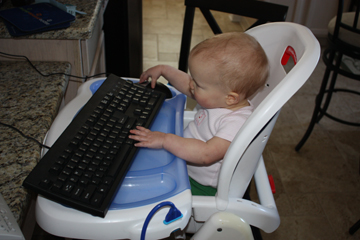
column 179, row 79
column 190, row 149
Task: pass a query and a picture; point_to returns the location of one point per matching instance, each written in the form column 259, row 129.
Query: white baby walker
column 224, row 216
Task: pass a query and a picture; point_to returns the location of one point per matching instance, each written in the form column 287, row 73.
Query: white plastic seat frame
column 244, row 160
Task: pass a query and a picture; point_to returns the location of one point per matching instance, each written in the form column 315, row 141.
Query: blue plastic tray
column 155, row 174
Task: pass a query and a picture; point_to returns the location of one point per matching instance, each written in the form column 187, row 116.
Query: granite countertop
column 30, row 103
column 82, row 28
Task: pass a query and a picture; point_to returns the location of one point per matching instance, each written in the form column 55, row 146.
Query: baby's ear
column 233, row 98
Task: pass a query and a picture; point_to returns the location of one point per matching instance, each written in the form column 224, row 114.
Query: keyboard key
column 119, row 160
column 103, row 188
column 84, row 181
column 68, row 188
column 56, row 187
column 46, row 183
column 77, row 192
column 74, row 179
column 62, row 178
column 97, row 199
column 108, row 180
column 152, row 101
column 89, row 191
column 55, row 169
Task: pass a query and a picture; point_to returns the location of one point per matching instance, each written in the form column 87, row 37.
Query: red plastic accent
column 272, row 184
column 289, row 52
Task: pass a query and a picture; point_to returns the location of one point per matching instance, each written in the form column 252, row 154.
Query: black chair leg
column 329, row 93
column 186, row 38
column 316, row 112
column 331, row 87
column 354, row 228
column 211, row 21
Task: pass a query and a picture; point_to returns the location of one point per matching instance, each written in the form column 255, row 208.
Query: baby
column 225, row 71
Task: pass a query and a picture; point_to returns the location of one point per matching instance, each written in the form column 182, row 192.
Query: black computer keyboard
column 86, row 165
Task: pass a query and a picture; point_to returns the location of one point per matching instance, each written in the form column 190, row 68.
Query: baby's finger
column 137, row 133
column 140, row 128
column 137, row 137
column 143, row 78
column 153, row 83
column 140, row 144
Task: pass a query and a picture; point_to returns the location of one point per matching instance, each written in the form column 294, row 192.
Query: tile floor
column 318, row 188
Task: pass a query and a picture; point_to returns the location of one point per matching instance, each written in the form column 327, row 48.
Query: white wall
column 315, row 14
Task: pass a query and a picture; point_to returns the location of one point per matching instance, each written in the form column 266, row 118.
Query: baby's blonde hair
column 240, row 61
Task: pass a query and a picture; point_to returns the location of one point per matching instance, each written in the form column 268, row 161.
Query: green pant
column 200, row 190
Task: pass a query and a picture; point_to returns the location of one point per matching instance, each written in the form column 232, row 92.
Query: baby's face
column 205, row 86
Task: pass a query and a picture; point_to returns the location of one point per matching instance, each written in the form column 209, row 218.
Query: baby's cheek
column 203, row 102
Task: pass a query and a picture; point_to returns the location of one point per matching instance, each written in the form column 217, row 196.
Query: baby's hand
column 147, row 138
column 152, row 74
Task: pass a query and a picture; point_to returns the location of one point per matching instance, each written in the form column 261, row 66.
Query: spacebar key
column 119, row 160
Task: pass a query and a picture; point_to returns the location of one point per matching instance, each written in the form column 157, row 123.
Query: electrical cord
column 25, row 136
column 173, row 215
column 44, row 75
column 52, row 74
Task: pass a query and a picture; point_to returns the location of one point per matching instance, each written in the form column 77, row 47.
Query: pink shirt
column 209, row 123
